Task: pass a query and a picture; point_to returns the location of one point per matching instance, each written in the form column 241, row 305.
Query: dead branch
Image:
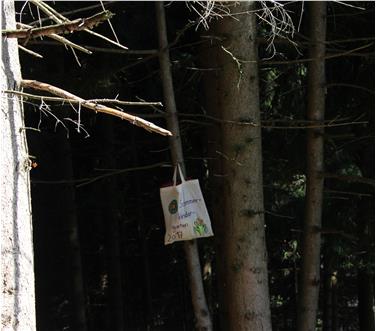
column 63, row 100
column 59, row 18
column 60, row 39
column 128, row 103
column 88, row 180
column 33, row 84
column 350, row 179
column 75, row 11
column 359, row 194
column 61, row 28
column 351, row 86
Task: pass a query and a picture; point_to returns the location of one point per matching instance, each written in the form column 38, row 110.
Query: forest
column 269, row 104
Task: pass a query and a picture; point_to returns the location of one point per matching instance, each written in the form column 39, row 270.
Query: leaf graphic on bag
column 200, row 227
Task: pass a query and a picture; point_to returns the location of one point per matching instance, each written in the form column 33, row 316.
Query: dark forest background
column 97, row 215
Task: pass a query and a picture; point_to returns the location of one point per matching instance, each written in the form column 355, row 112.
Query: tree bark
column 68, row 215
column 17, row 260
column 200, row 307
column 310, row 269
column 366, row 230
column 330, row 309
column 111, row 218
column 143, row 238
column 234, row 95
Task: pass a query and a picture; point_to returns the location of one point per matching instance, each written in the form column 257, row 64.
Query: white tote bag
column 184, row 209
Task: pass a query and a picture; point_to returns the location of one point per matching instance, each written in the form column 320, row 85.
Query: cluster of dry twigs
column 62, row 25
column 272, row 13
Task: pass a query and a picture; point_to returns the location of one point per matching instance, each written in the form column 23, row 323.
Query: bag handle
column 180, row 173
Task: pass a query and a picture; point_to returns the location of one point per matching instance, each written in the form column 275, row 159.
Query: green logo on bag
column 173, row 207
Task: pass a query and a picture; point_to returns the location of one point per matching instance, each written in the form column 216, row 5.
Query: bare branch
column 350, row 179
column 85, row 181
column 128, row 103
column 33, row 84
column 64, row 100
column 60, row 39
column 59, row 18
column 67, row 27
column 75, row 11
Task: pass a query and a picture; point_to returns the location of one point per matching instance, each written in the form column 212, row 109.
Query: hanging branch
column 33, row 84
column 61, row 28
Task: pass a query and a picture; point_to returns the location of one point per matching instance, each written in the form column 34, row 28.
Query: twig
column 85, row 181
column 33, row 84
column 330, row 231
column 128, row 103
column 350, row 193
column 327, row 57
column 279, row 215
column 107, row 39
column 301, row 124
column 102, row 49
column 67, row 27
column 29, row 51
column 351, row 86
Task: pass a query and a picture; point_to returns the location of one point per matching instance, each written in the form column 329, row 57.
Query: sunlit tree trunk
column 200, row 307
column 310, row 269
column 233, row 94
column 17, row 266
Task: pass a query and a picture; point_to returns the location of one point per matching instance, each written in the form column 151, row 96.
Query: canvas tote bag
column 184, row 210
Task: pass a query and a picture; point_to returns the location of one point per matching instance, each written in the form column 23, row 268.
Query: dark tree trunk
column 200, row 307
column 310, row 269
column 330, row 309
column 111, row 218
column 73, row 257
column 142, row 231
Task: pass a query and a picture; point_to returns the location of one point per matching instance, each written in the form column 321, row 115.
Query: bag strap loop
column 180, row 174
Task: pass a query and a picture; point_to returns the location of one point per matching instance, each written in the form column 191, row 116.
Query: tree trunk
column 234, row 94
column 143, row 238
column 330, row 311
column 111, row 218
column 200, row 307
column 17, row 266
column 366, row 230
column 69, row 217
column 310, row 270
column 366, row 300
